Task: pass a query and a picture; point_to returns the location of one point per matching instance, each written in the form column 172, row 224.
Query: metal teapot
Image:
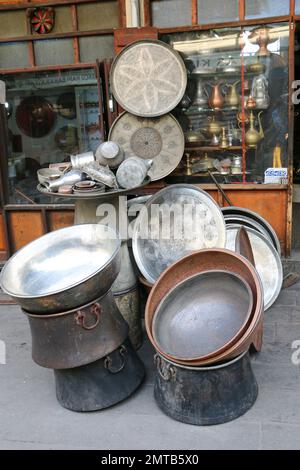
column 252, row 136
column 214, row 127
column 260, row 92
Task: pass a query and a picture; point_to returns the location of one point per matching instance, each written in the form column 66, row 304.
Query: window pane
column 13, row 55
column 297, row 7
column 13, row 23
column 266, row 8
column 54, row 52
column 63, row 20
column 217, row 11
column 167, row 13
column 98, row 15
column 98, row 47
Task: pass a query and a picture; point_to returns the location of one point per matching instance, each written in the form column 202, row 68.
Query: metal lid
column 148, row 78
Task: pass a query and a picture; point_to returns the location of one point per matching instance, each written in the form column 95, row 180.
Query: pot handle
column 166, row 371
column 80, row 317
column 108, row 361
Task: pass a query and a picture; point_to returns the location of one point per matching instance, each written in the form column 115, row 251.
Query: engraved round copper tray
column 35, row 116
column 148, row 78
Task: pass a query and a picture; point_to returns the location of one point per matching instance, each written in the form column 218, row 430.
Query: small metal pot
column 79, row 336
column 81, row 159
column 102, row 383
column 205, row 395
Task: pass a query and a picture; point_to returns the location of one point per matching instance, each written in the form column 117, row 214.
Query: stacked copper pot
column 63, row 283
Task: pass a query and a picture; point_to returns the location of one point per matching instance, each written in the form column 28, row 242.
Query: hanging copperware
column 35, row 116
column 42, row 20
column 148, row 78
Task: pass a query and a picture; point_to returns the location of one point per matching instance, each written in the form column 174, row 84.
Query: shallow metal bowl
column 64, row 269
column 203, row 315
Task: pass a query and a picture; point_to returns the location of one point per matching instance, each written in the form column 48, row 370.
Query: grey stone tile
column 286, row 298
column 280, row 436
column 278, row 314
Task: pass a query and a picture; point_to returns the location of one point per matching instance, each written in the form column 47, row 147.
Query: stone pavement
column 31, row 418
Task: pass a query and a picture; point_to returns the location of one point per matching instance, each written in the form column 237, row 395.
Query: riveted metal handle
column 80, row 317
column 108, row 361
column 166, row 371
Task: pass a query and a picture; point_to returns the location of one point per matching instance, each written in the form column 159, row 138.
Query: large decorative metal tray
column 247, row 222
column 148, row 78
column 267, row 261
column 175, row 221
column 159, row 139
column 241, row 211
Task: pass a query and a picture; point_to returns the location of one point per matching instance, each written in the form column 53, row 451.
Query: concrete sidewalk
column 31, row 418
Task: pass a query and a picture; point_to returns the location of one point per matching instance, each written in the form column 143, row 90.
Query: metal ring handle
column 166, row 371
column 108, row 361
column 80, row 317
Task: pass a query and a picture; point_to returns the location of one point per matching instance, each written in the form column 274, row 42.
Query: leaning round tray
column 148, row 78
column 247, row 222
column 203, row 315
column 233, row 210
column 175, row 221
column 267, row 261
column 159, row 139
column 95, row 194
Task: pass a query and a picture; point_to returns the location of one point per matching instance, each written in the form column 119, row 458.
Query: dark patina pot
column 102, row 383
column 79, row 336
column 205, row 395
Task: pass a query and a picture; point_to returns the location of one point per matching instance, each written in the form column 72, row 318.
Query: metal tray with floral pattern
column 160, row 139
column 148, row 78
column 175, row 221
column 266, row 258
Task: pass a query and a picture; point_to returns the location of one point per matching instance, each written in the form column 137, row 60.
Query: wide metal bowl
column 203, row 315
column 64, row 269
column 205, row 260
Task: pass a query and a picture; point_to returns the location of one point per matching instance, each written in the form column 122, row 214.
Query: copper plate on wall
column 160, row 139
column 35, row 116
column 148, row 78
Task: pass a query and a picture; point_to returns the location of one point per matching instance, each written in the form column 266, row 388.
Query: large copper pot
column 205, row 260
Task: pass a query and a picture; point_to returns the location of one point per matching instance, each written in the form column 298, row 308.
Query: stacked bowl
column 63, row 283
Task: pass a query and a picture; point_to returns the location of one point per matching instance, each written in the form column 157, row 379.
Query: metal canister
column 205, row 395
column 82, row 159
column 102, row 383
column 79, row 336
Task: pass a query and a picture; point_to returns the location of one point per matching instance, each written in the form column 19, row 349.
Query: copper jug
column 216, row 99
column 252, row 136
column 232, row 98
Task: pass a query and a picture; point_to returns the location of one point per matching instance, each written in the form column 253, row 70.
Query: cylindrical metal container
column 79, row 336
column 205, row 395
column 81, row 159
column 128, row 303
column 102, row 383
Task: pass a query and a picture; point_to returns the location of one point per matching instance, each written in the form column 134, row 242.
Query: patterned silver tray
column 160, row 139
column 175, row 221
column 148, row 78
column 266, row 258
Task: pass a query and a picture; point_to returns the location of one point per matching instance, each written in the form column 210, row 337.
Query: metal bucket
column 205, row 395
column 79, row 336
column 102, row 383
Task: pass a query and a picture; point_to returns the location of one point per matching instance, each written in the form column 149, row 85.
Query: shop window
column 96, row 47
column 14, row 55
column 169, row 13
column 266, row 8
column 297, row 7
column 101, row 15
column 217, row 11
column 50, row 116
column 54, row 52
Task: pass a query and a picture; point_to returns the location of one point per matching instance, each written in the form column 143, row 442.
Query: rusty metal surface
column 203, row 315
column 243, row 245
column 148, row 78
column 205, row 260
column 102, row 383
column 205, row 395
column 129, row 305
column 64, row 269
column 78, row 337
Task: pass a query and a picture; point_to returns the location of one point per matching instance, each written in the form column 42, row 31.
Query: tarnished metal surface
column 158, row 139
column 245, row 221
column 203, row 315
column 267, row 262
column 102, row 383
column 197, row 222
column 128, row 303
column 206, row 395
column 205, row 260
column 64, row 269
column 78, row 337
column 148, row 78
column 255, row 217
column 243, row 245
